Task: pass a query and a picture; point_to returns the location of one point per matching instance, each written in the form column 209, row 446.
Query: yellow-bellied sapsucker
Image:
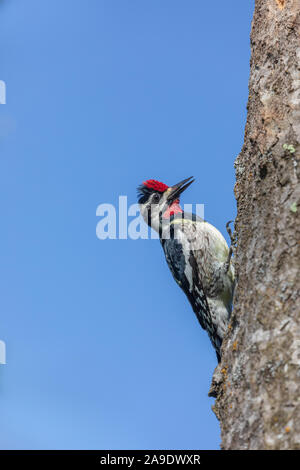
column 197, row 254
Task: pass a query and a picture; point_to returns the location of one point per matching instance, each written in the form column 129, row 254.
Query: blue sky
column 103, row 349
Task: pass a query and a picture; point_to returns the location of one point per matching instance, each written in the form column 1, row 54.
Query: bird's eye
column 155, row 198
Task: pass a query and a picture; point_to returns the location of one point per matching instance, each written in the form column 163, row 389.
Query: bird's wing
column 183, row 265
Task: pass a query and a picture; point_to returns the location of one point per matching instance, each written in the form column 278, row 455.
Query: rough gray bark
column 257, row 384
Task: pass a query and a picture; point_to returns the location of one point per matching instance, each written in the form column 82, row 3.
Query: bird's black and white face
column 153, row 204
column 158, row 202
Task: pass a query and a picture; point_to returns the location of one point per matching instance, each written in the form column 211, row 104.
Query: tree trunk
column 257, row 382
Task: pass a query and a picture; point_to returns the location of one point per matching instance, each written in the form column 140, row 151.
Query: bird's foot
column 232, row 236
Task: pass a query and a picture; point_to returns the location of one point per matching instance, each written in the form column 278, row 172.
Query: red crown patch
column 156, row 185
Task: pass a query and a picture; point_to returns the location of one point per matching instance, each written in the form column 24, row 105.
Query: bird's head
column 158, row 201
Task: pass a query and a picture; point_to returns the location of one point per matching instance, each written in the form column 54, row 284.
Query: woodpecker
column 197, row 255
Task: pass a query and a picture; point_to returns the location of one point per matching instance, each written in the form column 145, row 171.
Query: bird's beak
column 174, row 191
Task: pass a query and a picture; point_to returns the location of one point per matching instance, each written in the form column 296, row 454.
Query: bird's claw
column 232, row 237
